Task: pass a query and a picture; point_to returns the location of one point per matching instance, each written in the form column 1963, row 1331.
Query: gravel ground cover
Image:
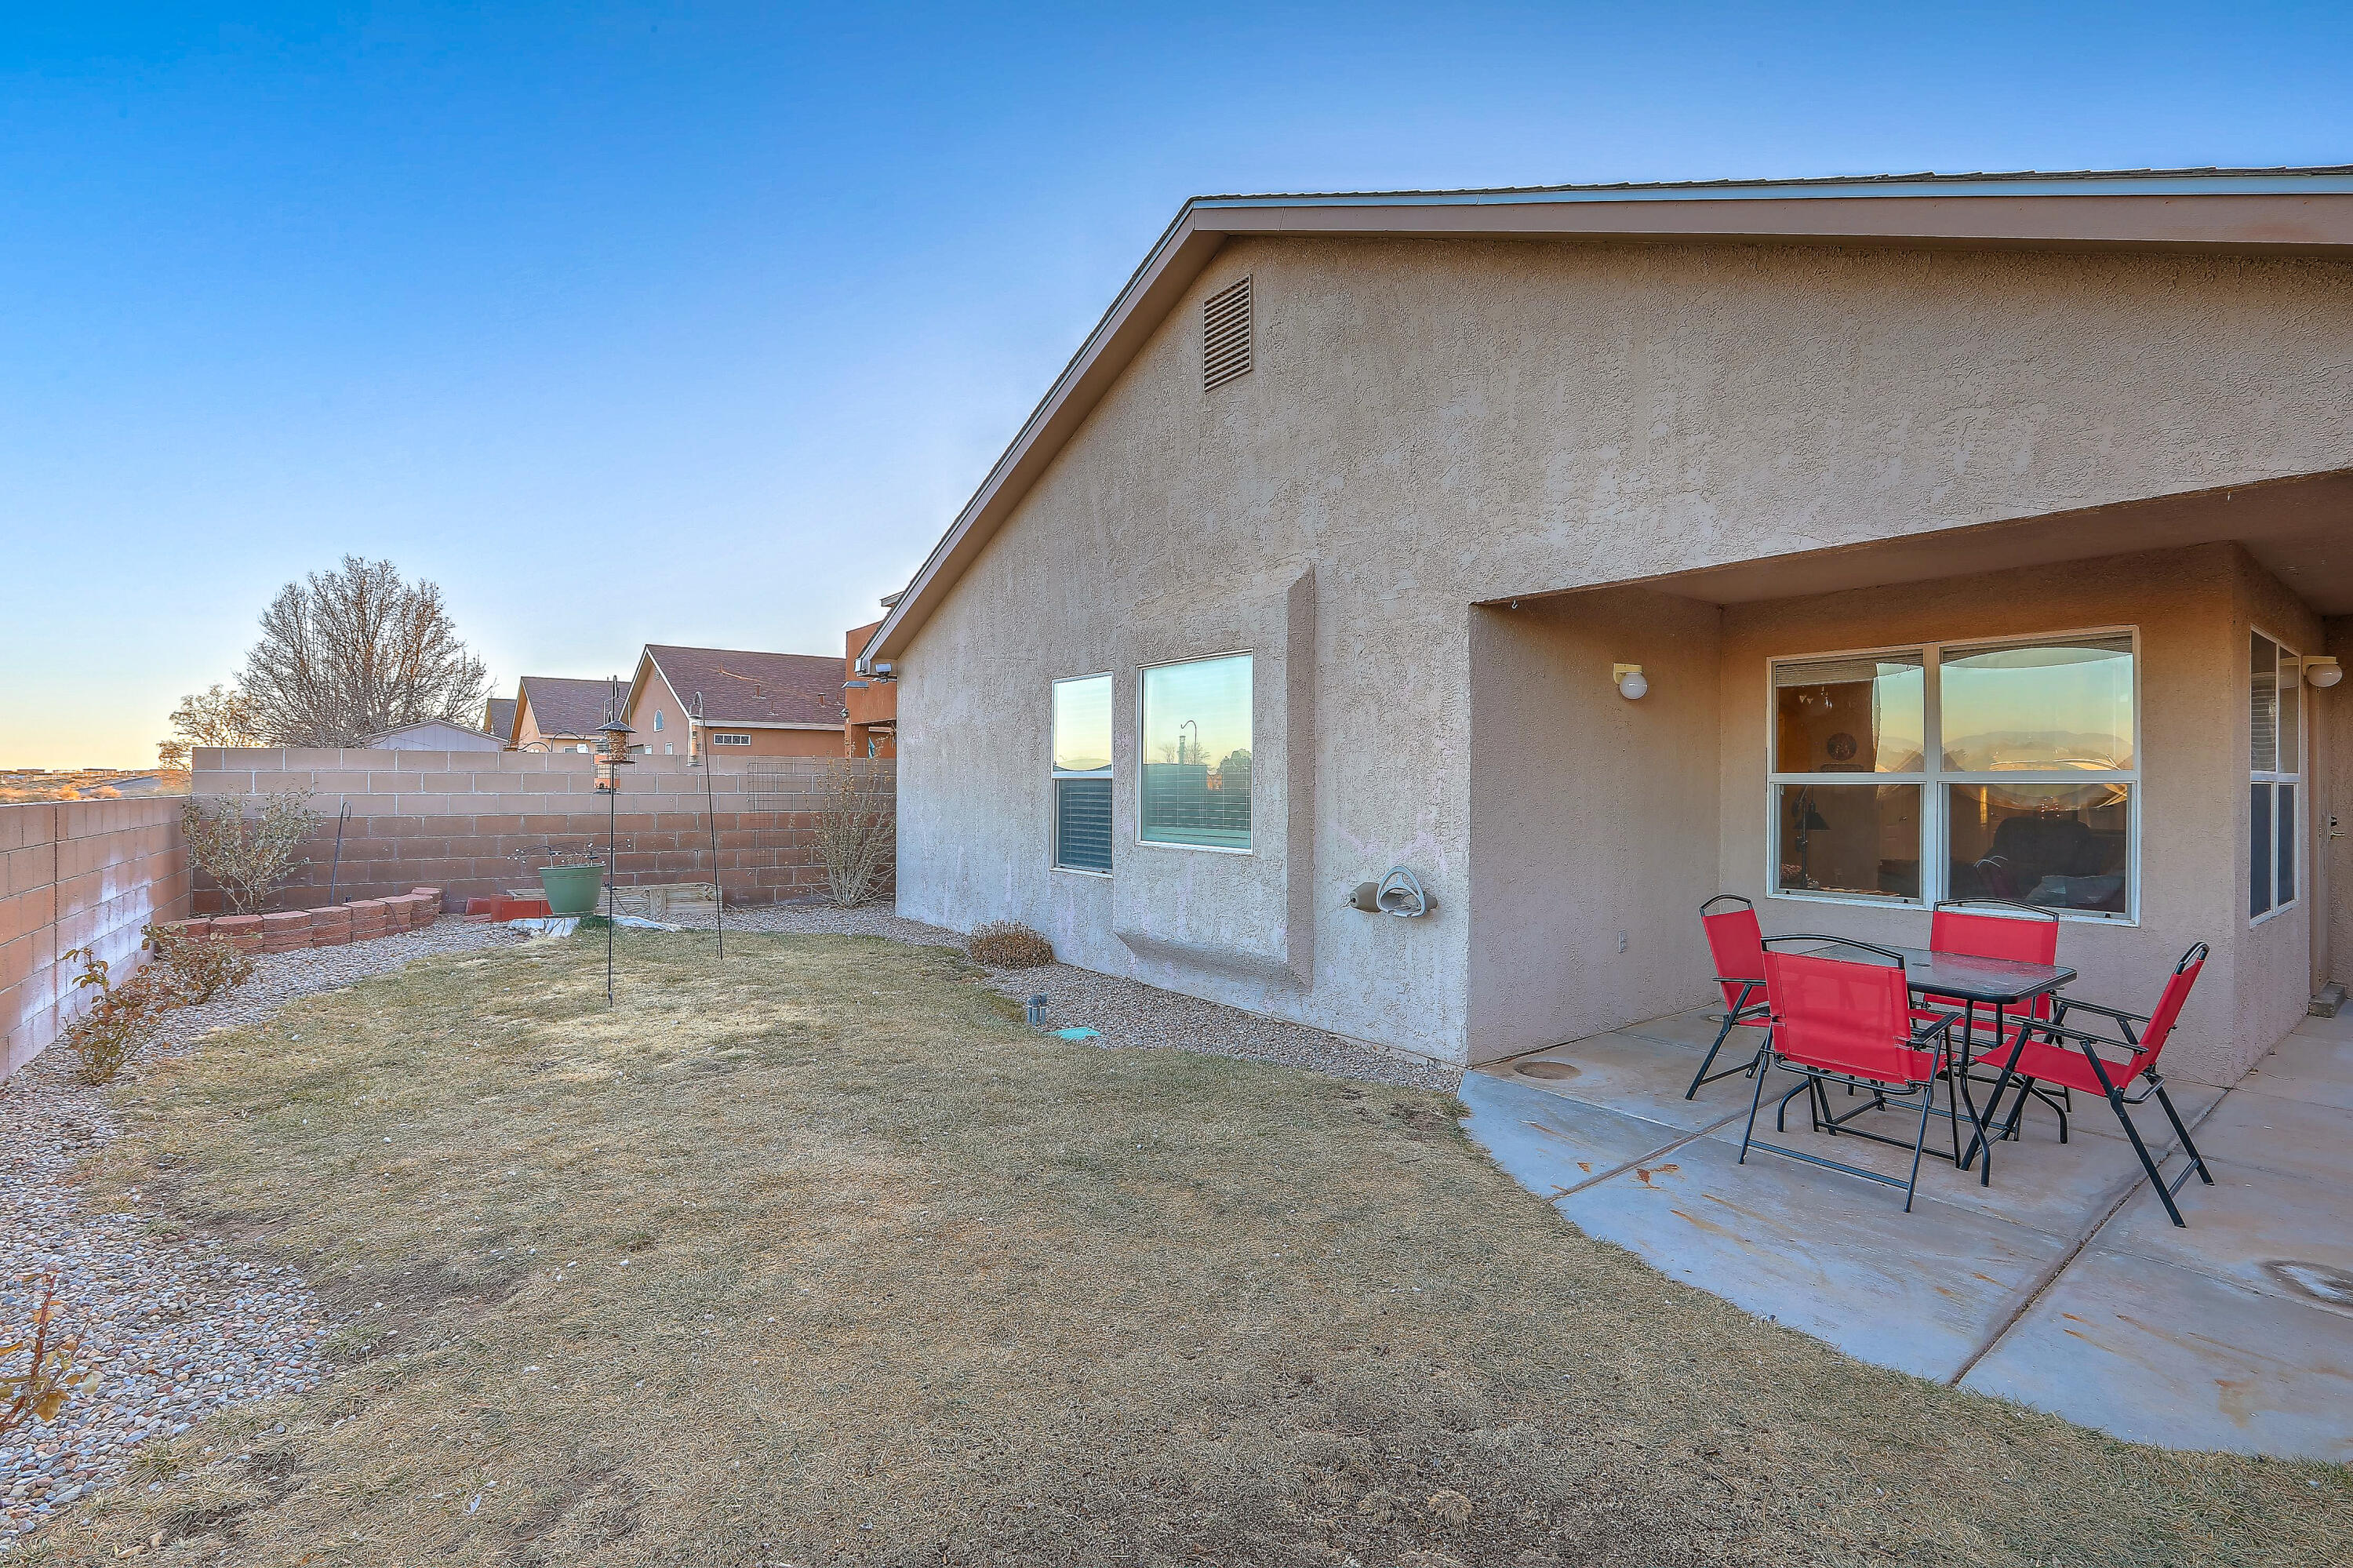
column 177, row 1323
column 1126, row 1013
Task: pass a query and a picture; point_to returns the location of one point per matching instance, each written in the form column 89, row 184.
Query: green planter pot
column 571, row 889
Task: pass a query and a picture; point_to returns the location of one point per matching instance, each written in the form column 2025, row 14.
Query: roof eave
column 2266, row 212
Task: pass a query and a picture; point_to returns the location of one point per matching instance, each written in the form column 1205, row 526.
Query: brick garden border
column 331, row 925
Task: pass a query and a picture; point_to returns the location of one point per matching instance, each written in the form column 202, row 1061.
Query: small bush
column 249, row 859
column 51, row 1375
column 1009, row 944
column 115, row 1022
column 856, row 830
column 196, row 969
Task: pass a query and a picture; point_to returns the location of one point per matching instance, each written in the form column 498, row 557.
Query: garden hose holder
column 1399, row 894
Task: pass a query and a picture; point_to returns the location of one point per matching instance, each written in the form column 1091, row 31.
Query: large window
column 1083, row 774
column 1959, row 770
column 1197, row 754
column 2276, row 764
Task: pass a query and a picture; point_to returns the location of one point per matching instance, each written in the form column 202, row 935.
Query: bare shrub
column 1009, row 944
column 856, row 828
column 51, row 1376
column 249, row 857
column 196, row 969
column 115, row 1021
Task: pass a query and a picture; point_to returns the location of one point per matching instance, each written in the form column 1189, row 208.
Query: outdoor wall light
column 1630, row 682
column 2322, row 673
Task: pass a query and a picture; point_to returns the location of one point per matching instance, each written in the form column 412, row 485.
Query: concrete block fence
column 77, row 874
column 476, row 823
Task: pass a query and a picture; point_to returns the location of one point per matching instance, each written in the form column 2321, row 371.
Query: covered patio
column 2061, row 1285
column 2122, row 717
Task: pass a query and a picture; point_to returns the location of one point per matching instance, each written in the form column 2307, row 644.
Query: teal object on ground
column 571, row 889
column 1075, row 1034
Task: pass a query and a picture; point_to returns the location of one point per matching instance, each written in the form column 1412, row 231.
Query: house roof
column 563, row 706
column 742, row 687
column 426, row 723
column 500, row 718
column 2280, row 211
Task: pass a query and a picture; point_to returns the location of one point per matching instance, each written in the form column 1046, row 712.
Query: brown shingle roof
column 566, row 707
column 500, row 718
column 740, row 687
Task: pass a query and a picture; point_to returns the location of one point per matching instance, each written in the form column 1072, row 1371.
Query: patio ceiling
column 2300, row 530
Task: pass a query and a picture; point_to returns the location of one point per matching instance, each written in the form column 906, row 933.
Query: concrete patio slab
column 1549, row 1143
column 2157, row 1353
column 2063, row 1285
column 2339, row 1028
column 2038, row 1182
column 2280, row 1235
column 1829, row 1256
column 2307, row 1065
column 1634, row 1075
column 2287, row 1138
column 1696, row 1030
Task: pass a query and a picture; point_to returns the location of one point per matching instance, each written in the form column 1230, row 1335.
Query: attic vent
column 1226, row 335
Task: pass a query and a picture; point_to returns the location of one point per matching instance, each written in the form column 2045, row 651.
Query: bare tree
column 215, row 717
column 352, row 652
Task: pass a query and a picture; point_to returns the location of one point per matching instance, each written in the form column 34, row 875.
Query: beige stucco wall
column 1433, row 424
column 1591, row 817
column 2191, row 609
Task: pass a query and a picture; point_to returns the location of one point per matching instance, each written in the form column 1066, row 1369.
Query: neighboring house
column 752, row 704
column 498, row 717
column 434, row 735
column 556, row 714
column 871, row 701
column 1972, row 537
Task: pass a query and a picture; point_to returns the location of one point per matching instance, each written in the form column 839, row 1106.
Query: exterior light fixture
column 1630, row 682
column 2322, row 673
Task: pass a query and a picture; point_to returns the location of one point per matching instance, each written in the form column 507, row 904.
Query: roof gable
column 741, row 686
column 563, row 706
column 2290, row 212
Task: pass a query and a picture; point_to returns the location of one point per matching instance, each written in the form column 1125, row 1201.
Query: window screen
column 1081, row 774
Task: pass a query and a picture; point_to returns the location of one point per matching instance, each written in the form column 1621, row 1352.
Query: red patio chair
column 2056, row 1052
column 1851, row 1021
column 1737, row 945
column 2026, row 933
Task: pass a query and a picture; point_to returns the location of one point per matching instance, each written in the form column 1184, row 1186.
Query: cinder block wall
column 77, row 874
column 475, row 823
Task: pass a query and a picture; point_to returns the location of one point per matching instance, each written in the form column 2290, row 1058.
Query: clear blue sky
column 697, row 323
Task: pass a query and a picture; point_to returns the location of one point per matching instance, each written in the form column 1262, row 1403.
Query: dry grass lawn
column 819, row 1257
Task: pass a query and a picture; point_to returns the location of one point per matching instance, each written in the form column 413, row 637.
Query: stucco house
column 870, row 724
column 558, row 713
column 435, row 735
column 1846, row 545
column 752, row 704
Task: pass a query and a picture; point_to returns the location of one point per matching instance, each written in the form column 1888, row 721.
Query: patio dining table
column 1998, row 983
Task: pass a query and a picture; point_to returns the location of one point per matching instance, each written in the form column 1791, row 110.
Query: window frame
column 2275, row 777
column 1108, row 772
column 1143, row 715
column 731, row 737
column 1931, row 778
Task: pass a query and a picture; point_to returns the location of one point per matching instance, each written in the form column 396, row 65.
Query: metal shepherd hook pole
column 617, row 732
column 710, row 821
